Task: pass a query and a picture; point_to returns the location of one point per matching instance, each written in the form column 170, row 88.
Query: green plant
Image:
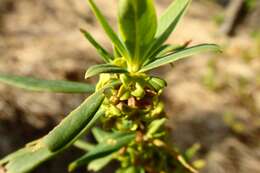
column 126, row 100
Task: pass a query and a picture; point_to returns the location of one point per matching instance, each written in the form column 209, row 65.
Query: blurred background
column 212, row 99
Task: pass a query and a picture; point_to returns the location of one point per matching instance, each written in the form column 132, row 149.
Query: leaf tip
column 87, row 75
column 218, row 49
column 72, row 167
column 83, row 31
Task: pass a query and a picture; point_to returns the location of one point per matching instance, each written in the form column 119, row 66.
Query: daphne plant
column 125, row 103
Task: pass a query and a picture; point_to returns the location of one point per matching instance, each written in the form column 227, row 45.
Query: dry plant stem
column 232, row 14
column 175, row 154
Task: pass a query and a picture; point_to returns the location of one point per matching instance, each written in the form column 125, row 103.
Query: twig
column 231, row 16
column 176, row 155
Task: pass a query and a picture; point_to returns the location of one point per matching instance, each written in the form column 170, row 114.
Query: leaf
column 131, row 169
column 83, row 145
column 116, row 53
column 180, row 55
column 78, row 122
column 100, row 135
column 74, row 123
column 157, row 83
column 104, row 68
column 109, row 31
column 162, row 51
column 170, row 49
column 137, row 25
column 46, row 85
column 155, row 126
column 192, row 151
column 112, row 144
column 26, row 160
column 102, row 52
column 12, row 156
column 100, row 163
column 167, row 23
column 171, row 17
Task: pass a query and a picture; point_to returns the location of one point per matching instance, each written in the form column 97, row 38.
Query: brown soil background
column 211, row 99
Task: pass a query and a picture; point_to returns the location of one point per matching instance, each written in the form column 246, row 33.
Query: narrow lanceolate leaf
column 116, row 53
column 46, row 85
column 83, row 145
column 25, row 160
column 102, row 52
column 137, row 25
column 104, row 68
column 87, row 128
column 162, row 51
column 28, row 158
column 74, row 123
column 155, row 126
column 100, row 163
column 167, row 49
column 180, row 55
column 157, row 83
column 112, row 144
column 99, row 134
column 167, row 23
column 109, row 31
column 13, row 156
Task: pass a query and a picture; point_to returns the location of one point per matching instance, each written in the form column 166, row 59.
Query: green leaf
column 137, row 25
column 167, row 23
column 171, row 17
column 112, row 144
column 180, row 55
column 164, row 50
column 78, row 122
column 100, row 135
column 104, row 68
column 83, row 145
column 85, row 130
column 168, row 48
column 102, row 52
column 100, row 163
column 131, row 169
column 157, row 83
column 26, row 159
column 13, row 156
column 74, row 123
column 155, row 126
column 192, row 151
column 116, row 53
column 109, row 31
column 46, row 85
